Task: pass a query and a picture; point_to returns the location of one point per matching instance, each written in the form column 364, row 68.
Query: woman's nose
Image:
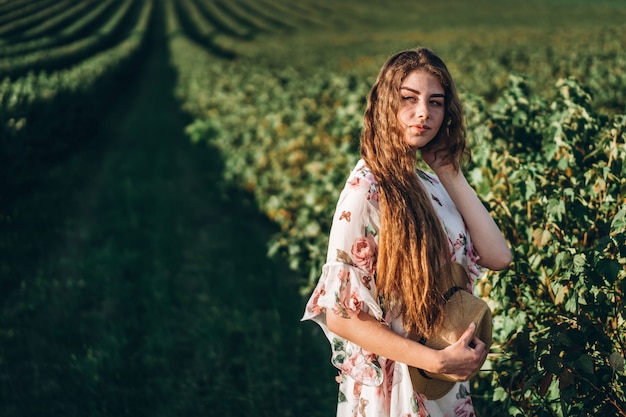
column 421, row 111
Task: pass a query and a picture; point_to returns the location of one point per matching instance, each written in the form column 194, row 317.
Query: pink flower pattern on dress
column 463, row 406
column 364, row 253
column 387, row 385
column 363, row 178
column 357, row 182
column 343, row 274
column 474, row 270
column 461, row 245
column 356, row 362
column 348, row 302
column 421, row 403
column 314, row 307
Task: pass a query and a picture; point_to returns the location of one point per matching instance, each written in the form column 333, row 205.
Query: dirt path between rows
column 135, row 283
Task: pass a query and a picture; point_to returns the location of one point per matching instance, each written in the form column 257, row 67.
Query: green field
column 168, row 170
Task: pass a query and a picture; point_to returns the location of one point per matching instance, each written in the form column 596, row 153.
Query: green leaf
column 618, row 224
column 580, row 260
column 563, row 163
column 541, row 237
column 571, row 304
column 610, row 269
column 559, row 293
column 616, row 361
column 560, row 260
column 585, row 364
column 551, row 363
column 499, row 394
column 531, row 188
column 556, row 208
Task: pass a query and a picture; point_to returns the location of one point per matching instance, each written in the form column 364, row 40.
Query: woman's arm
column 458, row 360
column 487, row 238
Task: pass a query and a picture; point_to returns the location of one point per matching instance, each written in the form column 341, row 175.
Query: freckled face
column 421, row 109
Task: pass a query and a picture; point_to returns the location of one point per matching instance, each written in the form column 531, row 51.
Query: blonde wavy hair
column 414, row 253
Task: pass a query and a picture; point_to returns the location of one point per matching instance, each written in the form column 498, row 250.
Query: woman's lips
column 419, row 128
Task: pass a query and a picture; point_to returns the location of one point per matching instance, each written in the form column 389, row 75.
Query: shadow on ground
column 135, row 283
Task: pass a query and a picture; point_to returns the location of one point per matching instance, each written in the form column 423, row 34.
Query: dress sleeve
column 346, row 285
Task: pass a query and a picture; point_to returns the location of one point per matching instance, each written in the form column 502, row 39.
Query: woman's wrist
column 435, row 360
column 439, row 362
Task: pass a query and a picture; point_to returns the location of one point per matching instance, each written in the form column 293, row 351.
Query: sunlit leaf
column 618, row 224
column 617, row 362
column 541, row 237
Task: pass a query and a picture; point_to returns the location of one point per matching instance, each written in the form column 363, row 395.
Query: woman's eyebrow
column 418, row 93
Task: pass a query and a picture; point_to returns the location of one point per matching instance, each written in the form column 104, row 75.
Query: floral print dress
column 371, row 385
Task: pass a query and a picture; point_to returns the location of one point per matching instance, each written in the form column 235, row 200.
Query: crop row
column 227, row 27
column 16, row 9
column 54, row 22
column 23, row 23
column 72, row 31
column 53, row 58
column 550, row 167
column 43, row 114
column 593, row 56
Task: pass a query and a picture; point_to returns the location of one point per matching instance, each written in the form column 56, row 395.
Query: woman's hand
column 435, row 156
column 464, row 358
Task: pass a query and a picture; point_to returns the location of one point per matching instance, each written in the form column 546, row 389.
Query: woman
column 394, row 231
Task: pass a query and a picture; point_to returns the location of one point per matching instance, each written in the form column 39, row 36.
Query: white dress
column 371, row 385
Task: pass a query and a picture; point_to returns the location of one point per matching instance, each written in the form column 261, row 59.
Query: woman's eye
column 408, row 98
column 436, row 103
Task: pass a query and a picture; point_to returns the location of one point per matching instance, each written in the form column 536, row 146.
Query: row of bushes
column 61, row 36
column 227, row 28
column 19, row 24
column 550, row 168
column 43, row 115
column 62, row 56
column 552, row 173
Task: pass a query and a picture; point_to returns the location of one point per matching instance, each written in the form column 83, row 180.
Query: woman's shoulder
column 361, row 173
column 361, row 181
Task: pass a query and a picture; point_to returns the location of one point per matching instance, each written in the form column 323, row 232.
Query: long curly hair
column 414, row 251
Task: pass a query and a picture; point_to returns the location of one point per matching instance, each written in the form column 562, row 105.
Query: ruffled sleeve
column 346, row 285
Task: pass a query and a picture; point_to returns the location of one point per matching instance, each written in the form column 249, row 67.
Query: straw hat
column 461, row 309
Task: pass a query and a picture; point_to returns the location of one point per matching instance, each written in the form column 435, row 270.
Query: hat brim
column 461, row 309
column 432, row 388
